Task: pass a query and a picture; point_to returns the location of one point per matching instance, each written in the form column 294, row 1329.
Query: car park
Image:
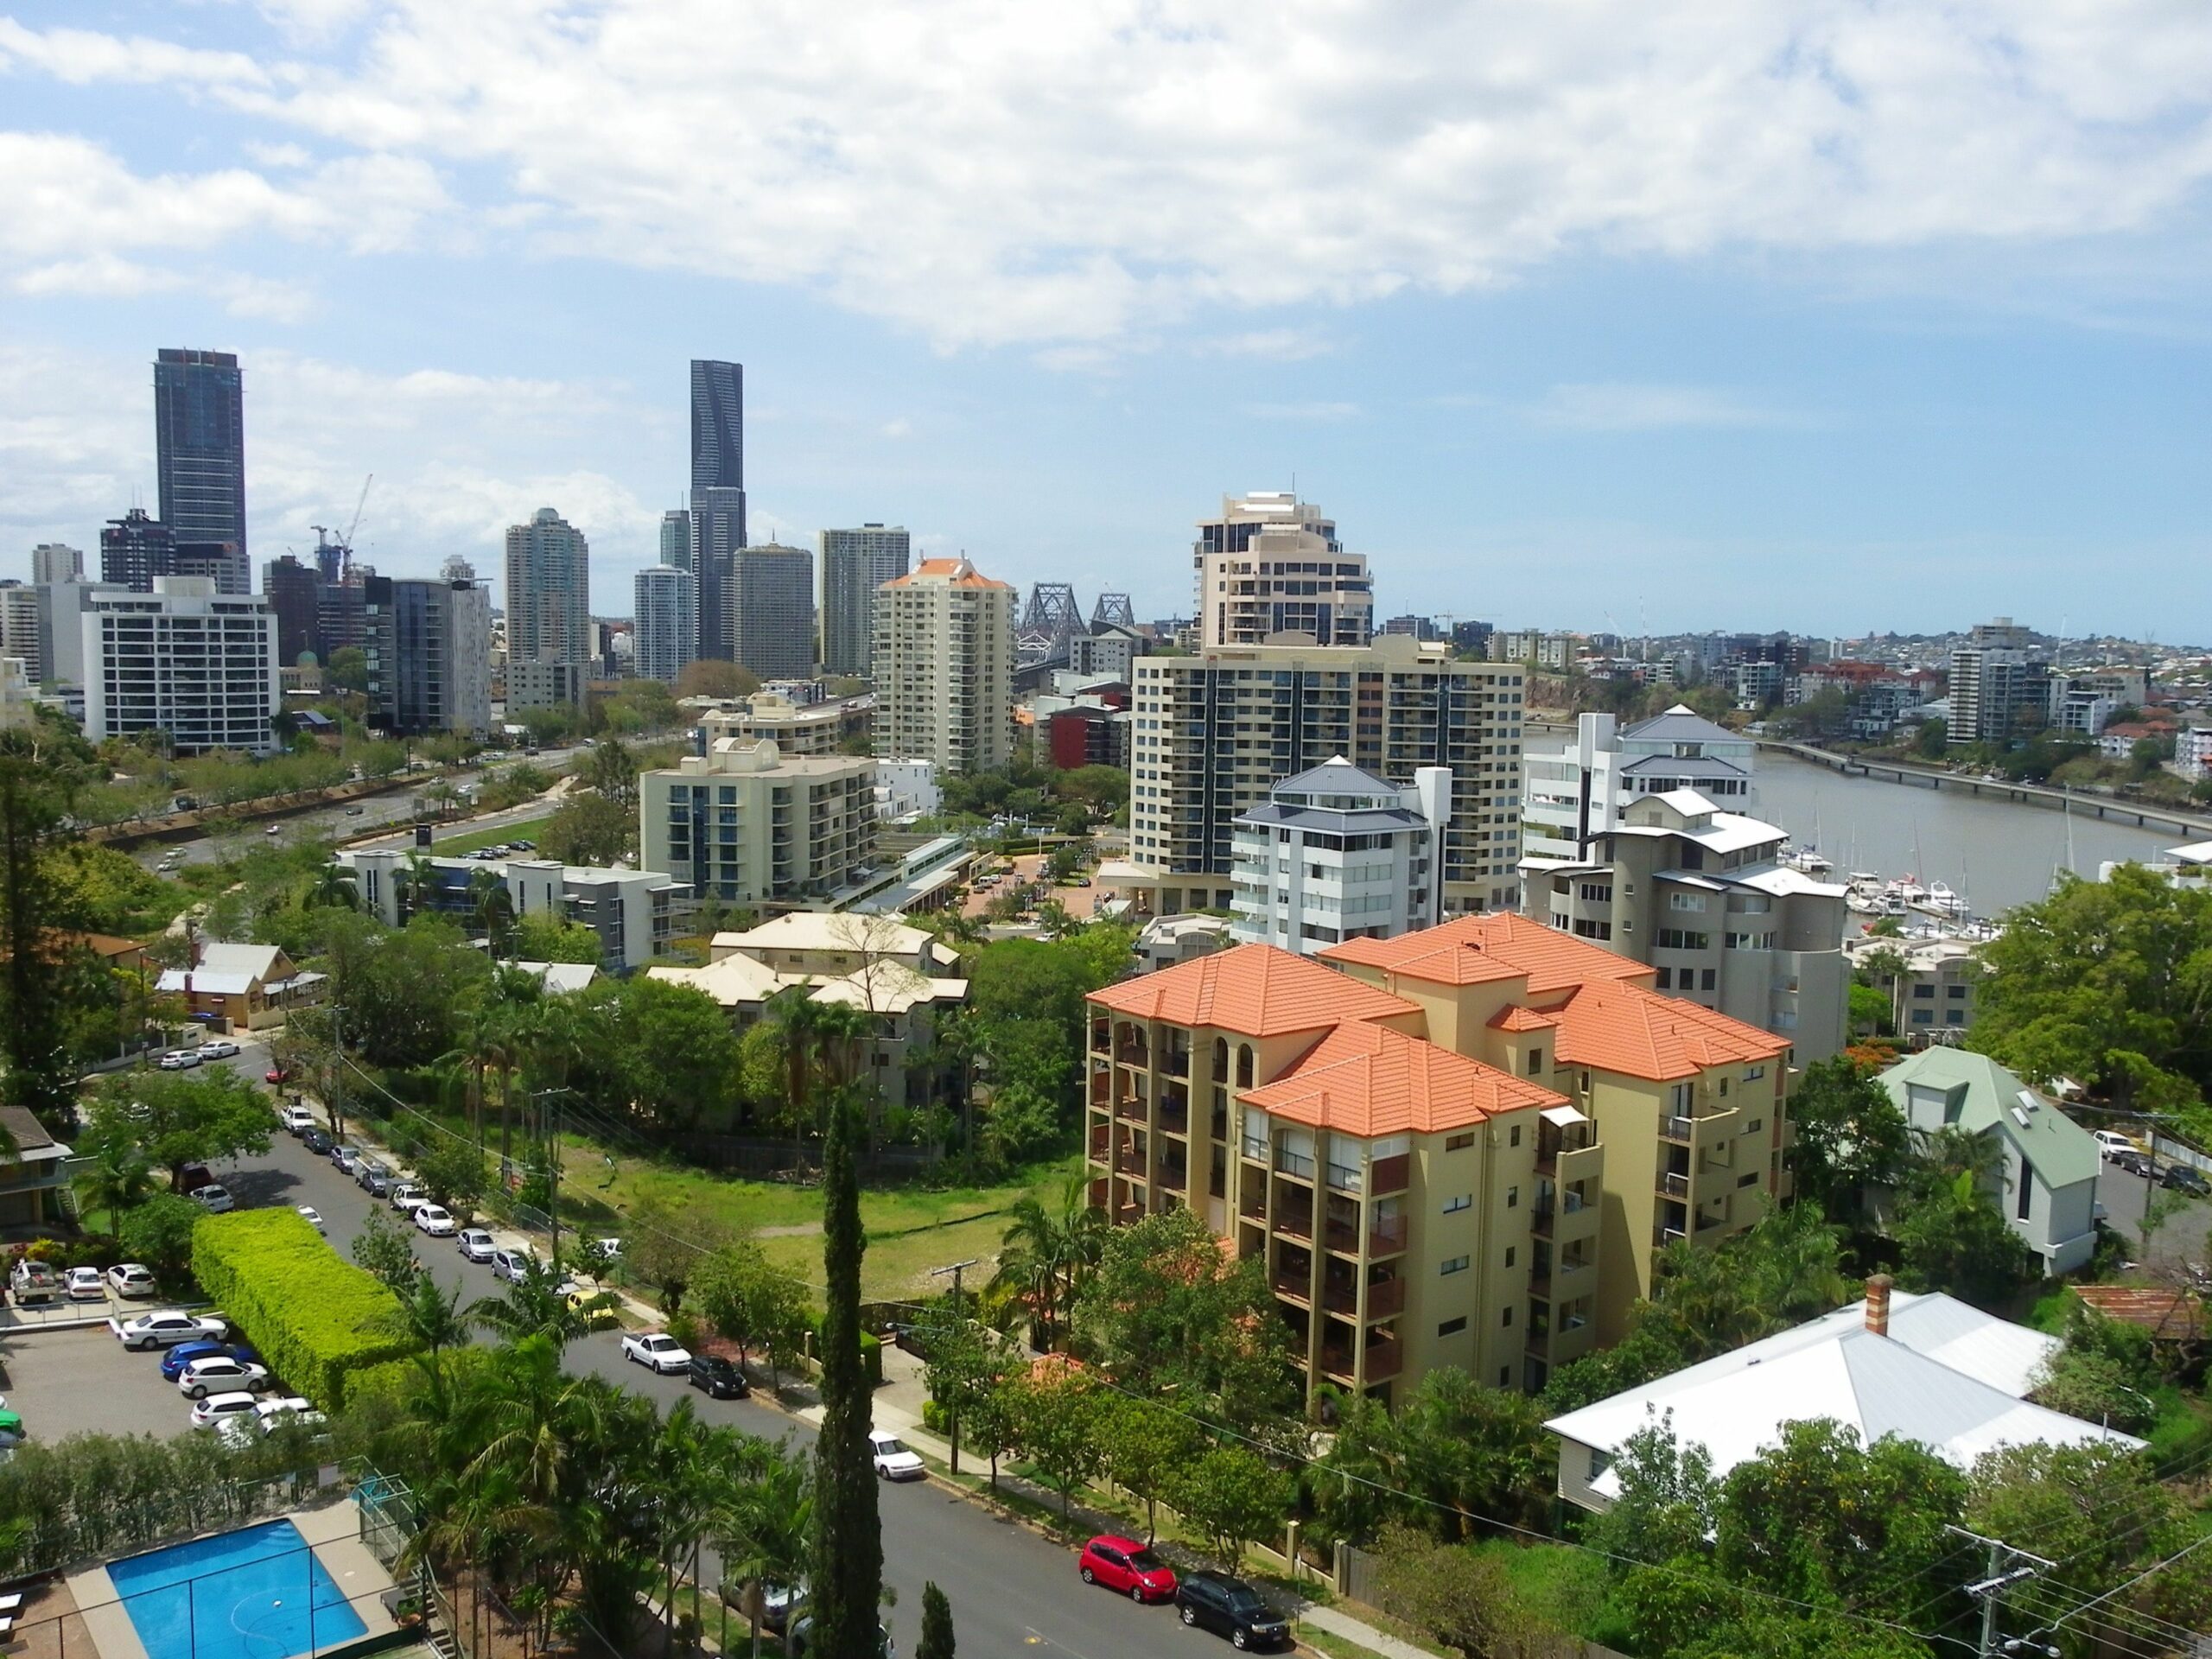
column 167, row 1328
column 219, row 1049
column 657, row 1350
column 222, row 1374
column 216, row 1200
column 435, row 1220
column 297, row 1119
column 891, row 1458
column 476, row 1244
column 237, row 1430
column 513, row 1265
column 217, row 1407
column 2185, row 1178
column 1125, row 1565
column 131, row 1279
column 313, row 1216
column 715, row 1377
column 1230, row 1607
column 33, row 1283
column 318, row 1141
column 85, row 1285
column 180, row 1060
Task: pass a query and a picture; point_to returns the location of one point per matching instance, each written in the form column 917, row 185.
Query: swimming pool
column 255, row 1593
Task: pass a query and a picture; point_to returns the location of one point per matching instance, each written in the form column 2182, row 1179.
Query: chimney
column 1878, row 1304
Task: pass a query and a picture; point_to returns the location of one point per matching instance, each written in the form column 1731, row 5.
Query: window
column 1513, row 1136
column 1754, row 1126
column 1666, row 979
column 1453, row 1206
column 1505, row 1319
column 1452, row 1264
column 1676, row 938
column 1513, row 1197
column 1505, row 1377
column 1923, row 993
column 2027, row 1190
column 1685, row 901
column 1600, row 1462
column 1724, row 1088
column 1536, row 1060
column 1511, row 1252
column 1451, row 1327
column 1752, row 1074
column 1458, row 1142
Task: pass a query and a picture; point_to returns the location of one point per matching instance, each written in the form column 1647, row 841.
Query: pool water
column 256, row 1593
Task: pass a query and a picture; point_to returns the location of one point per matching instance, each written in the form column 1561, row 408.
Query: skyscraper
column 717, row 495
column 676, row 537
column 549, row 612
column 1272, row 564
column 854, row 563
column 944, row 668
column 135, row 548
column 55, row 562
column 200, row 445
column 294, row 592
column 771, row 598
column 430, row 651
column 667, row 610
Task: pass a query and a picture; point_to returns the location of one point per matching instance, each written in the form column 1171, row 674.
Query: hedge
column 871, row 1351
column 307, row 1309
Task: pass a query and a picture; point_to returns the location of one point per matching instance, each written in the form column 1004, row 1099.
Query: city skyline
column 1682, row 326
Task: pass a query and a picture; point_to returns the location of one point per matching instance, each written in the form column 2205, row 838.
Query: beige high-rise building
column 549, row 612
column 1214, row 733
column 747, row 824
column 943, row 666
column 1271, row 565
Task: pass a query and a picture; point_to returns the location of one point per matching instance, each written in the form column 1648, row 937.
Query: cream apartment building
column 1271, row 566
column 943, row 668
column 747, row 824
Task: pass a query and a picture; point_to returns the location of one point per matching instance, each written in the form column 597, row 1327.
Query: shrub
column 315, row 1317
column 871, row 1351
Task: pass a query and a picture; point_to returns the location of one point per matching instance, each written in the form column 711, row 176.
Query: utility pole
column 549, row 1131
column 956, row 1270
column 336, row 1104
column 1990, row 1589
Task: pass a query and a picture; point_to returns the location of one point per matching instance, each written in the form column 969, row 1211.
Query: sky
column 1835, row 316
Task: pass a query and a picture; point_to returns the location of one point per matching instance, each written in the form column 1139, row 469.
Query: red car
column 1125, row 1564
column 275, row 1075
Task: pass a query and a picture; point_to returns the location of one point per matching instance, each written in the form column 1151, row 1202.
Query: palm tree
column 492, row 908
column 434, row 1319
column 1049, row 1257
column 332, row 888
column 1057, row 919
column 535, row 1307
column 120, row 1177
column 413, row 883
column 765, row 1528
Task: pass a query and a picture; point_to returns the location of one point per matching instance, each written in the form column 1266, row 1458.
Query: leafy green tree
column 541, row 938
column 2104, row 1374
column 1851, row 1136
column 1046, row 1256
column 402, row 991
column 386, row 1249
column 1669, row 1503
column 452, row 1169
column 1233, row 1498
column 1950, row 1237
column 669, row 1244
column 712, row 678
column 677, row 1054
column 116, row 1178
column 176, row 1118
column 1458, row 1598
column 1148, row 1447
column 1480, row 1453
column 736, row 1290
column 587, row 829
column 159, row 1232
column 1056, row 1432
column 347, row 669
column 1870, row 1010
column 43, row 766
column 766, row 1528
column 966, row 1367
column 936, row 1624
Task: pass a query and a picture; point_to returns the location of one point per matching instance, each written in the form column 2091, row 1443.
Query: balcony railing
column 1133, row 1054
column 1295, row 1224
column 1294, row 1164
column 1675, row 1185
column 1298, row 1286
column 1176, row 1120
column 1388, row 1175
column 1253, row 1206
column 1386, row 1297
column 1176, row 1063
column 1676, row 1128
column 1130, row 1163
column 1256, row 1148
column 1380, row 1241
column 1100, row 1144
column 1131, row 1110
column 1174, row 1177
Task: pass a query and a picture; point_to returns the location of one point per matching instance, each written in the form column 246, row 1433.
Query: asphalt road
column 2180, row 1239
column 1011, row 1592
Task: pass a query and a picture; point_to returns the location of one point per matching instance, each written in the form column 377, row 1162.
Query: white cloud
column 102, row 274
column 987, row 174
column 1616, row 407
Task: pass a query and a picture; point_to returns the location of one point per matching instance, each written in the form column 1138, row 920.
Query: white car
column 476, row 1244
column 292, row 1409
column 216, row 1406
column 513, row 1265
column 313, row 1216
column 434, row 1220
column 180, row 1060
column 85, row 1285
column 658, row 1350
column 409, row 1196
column 2111, row 1143
column 168, row 1328
column 219, row 1050
column 218, row 1199
column 132, row 1279
column 235, row 1430
column 222, row 1374
column 297, row 1119
column 891, row 1458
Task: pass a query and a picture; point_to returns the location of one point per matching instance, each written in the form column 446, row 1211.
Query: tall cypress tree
column 936, row 1624
column 847, row 1570
column 41, row 982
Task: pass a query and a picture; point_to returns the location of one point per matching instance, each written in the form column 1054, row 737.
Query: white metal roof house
column 1927, row 1368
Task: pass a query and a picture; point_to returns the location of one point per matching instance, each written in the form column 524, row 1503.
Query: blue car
column 174, row 1361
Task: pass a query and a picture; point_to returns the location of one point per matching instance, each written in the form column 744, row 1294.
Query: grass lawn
column 469, row 840
column 911, row 1228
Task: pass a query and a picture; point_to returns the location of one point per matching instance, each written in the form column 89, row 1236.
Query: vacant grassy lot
column 911, row 1228
column 469, row 840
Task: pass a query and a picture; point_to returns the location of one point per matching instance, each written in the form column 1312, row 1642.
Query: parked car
column 168, row 1328
column 1125, row 1565
column 294, row 1410
column 353, row 811
column 891, row 1458
column 179, row 1060
column 513, row 1265
column 222, row 1374
column 2135, row 1163
column 33, row 1282
column 409, row 1196
column 374, row 1179
column 2111, row 1143
column 218, row 1199
column 219, row 1049
column 2184, row 1177
column 190, row 1178
column 800, row 1642
column 716, row 1377
column 174, row 1361
column 657, row 1350
column 347, row 1156
column 318, row 1141
column 85, row 1285
column 476, row 1244
column 434, row 1220
column 131, row 1279
column 1230, row 1607
column 523, row 846
column 297, row 1119
column 276, row 1074
column 313, row 1216
column 217, row 1407
column 778, row 1601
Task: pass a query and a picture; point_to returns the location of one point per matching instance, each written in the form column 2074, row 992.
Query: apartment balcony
column 1130, row 1161
column 1099, row 1192
column 1133, row 1109
column 1176, row 1063
column 1174, row 1177
column 1293, row 1285
column 1101, row 1147
column 1674, row 1183
column 1298, row 1166
column 1662, row 1235
column 1389, row 1175
column 1295, row 1221
column 1348, row 1239
column 1379, row 1362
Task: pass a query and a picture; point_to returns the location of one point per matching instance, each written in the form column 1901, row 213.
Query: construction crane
column 363, row 502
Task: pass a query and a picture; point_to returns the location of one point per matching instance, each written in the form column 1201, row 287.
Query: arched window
column 1244, row 1065
column 1220, row 1059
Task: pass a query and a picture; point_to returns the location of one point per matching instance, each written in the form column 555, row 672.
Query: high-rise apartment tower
column 549, row 612
column 944, row 668
column 200, row 445
column 1271, row 564
column 854, row 563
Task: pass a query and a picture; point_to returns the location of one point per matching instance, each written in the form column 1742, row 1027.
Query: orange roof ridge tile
column 1256, row 990
column 1370, row 1080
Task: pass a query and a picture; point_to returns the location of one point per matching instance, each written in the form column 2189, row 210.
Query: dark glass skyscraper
column 718, row 496
column 199, row 446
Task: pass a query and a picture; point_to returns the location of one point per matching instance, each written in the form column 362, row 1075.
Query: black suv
column 2183, row 1178
column 1232, row 1608
column 720, row 1379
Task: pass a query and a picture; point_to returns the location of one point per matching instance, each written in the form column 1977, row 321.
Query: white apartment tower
column 549, row 612
column 1577, row 793
column 56, row 562
column 667, row 609
column 944, row 668
column 1339, row 854
column 854, row 563
column 1270, row 565
column 184, row 660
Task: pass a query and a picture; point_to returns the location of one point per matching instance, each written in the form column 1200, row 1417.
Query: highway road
column 1012, row 1591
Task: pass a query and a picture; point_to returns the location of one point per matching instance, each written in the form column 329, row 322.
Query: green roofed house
column 2048, row 1189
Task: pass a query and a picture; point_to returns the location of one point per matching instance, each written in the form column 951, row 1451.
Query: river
column 1998, row 854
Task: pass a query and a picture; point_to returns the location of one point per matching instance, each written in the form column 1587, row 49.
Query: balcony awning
column 1564, row 1116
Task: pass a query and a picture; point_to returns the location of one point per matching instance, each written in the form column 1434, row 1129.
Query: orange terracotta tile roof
column 1627, row 1028
column 1369, row 1080
column 957, row 572
column 1254, row 991
column 1517, row 1018
column 1471, row 950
